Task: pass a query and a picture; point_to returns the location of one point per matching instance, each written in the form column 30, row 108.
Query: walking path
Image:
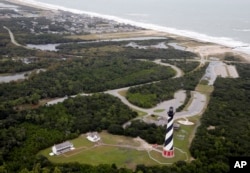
column 195, row 107
column 179, row 72
column 179, row 98
column 13, row 40
column 198, row 102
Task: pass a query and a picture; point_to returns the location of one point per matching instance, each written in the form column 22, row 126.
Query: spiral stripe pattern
column 168, row 149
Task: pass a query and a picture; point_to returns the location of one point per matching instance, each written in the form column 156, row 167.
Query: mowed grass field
column 115, row 150
column 184, row 136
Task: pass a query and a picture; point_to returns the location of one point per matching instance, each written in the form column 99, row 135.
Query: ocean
column 225, row 22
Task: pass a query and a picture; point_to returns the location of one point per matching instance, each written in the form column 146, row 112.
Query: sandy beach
column 203, row 49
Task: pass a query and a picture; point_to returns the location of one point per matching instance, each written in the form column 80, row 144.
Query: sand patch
column 207, row 50
column 186, row 122
column 211, row 128
column 218, row 68
column 221, row 70
column 232, row 71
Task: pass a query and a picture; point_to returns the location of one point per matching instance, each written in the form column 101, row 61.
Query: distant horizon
column 241, row 41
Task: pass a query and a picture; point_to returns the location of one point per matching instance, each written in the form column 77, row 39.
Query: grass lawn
column 166, row 161
column 88, row 153
column 159, row 110
column 206, row 89
column 123, row 93
column 140, row 113
column 185, row 134
column 152, row 117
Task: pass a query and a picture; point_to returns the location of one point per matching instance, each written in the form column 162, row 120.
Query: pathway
column 179, row 72
column 12, row 38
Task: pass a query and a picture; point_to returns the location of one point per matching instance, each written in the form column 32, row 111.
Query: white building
column 93, row 137
column 62, row 148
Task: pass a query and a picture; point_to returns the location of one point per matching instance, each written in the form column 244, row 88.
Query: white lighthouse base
column 168, row 153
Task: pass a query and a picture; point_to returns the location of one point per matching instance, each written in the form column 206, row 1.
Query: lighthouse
column 168, row 149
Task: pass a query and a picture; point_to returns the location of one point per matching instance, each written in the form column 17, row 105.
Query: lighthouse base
column 168, row 153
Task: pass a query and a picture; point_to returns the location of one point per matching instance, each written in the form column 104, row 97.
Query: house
column 93, row 137
column 62, row 148
column 176, row 126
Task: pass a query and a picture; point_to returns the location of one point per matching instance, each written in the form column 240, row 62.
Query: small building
column 176, row 126
column 93, row 137
column 62, row 148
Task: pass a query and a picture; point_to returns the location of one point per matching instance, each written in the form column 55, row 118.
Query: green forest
column 28, row 131
column 83, row 75
column 186, row 66
column 224, row 129
column 150, row 95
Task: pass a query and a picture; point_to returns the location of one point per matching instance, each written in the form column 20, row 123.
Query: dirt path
column 179, row 72
column 12, row 38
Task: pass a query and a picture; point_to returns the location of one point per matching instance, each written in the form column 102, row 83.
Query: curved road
column 196, row 106
column 179, row 98
column 12, row 38
column 179, row 72
column 198, row 101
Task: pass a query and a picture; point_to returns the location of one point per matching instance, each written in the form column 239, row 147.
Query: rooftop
column 63, row 145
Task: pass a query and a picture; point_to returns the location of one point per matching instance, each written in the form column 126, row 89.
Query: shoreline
column 203, row 47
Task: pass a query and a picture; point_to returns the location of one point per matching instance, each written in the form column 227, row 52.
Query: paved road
column 197, row 105
column 179, row 72
column 179, row 98
column 12, row 38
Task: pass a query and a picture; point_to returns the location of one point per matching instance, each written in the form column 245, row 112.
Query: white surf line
column 229, row 42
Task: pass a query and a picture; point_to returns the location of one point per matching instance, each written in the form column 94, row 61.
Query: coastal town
column 81, row 93
column 60, row 22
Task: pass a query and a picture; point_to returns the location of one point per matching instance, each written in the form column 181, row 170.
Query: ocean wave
column 137, row 14
column 202, row 37
column 242, row 30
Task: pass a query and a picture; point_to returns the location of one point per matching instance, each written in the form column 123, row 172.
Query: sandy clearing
column 232, row 71
column 186, row 122
column 221, row 70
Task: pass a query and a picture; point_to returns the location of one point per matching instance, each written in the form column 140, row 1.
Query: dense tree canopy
column 33, row 130
column 86, row 50
column 225, row 127
column 186, row 66
column 150, row 95
column 83, row 75
column 99, row 66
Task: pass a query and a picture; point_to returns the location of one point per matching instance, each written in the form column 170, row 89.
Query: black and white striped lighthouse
column 168, row 149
